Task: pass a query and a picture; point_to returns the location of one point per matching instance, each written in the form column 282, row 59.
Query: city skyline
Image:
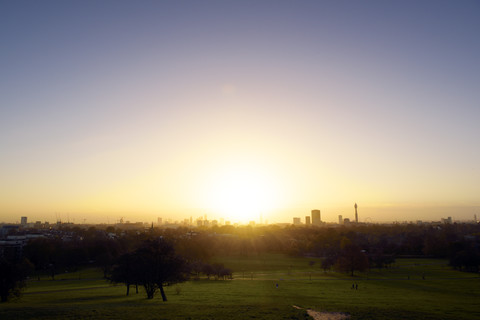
column 239, row 110
column 314, row 219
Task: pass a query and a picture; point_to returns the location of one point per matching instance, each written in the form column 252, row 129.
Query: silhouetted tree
column 12, row 278
column 328, row 262
column 464, row 256
column 352, row 259
column 220, row 271
column 154, row 265
column 208, row 270
column 39, row 252
column 124, row 271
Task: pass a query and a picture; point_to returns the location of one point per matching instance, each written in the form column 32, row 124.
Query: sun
column 242, row 192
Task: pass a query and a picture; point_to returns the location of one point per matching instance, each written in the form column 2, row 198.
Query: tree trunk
column 128, row 288
column 164, row 297
column 136, row 288
column 150, row 290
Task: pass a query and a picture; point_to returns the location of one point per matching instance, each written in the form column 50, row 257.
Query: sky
column 242, row 110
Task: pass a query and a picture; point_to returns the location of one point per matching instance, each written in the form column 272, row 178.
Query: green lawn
column 396, row 293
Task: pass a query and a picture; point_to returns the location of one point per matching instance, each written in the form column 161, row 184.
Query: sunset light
column 242, row 193
column 239, row 159
column 238, row 111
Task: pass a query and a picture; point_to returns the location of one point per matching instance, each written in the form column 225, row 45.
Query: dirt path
column 317, row 315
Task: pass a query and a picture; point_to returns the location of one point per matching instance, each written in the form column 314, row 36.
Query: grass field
column 397, row 293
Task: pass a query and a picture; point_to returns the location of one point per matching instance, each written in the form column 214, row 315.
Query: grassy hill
column 412, row 289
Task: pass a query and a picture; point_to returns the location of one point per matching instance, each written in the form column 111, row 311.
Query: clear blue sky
column 112, row 108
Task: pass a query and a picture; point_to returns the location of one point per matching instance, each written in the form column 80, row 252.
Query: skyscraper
column 316, row 219
column 307, row 220
column 340, row 219
column 23, row 221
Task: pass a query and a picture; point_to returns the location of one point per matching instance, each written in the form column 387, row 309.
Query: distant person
column 276, row 285
column 356, row 286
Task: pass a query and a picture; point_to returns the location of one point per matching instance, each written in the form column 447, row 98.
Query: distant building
column 159, row 221
column 340, row 219
column 296, row 221
column 7, row 229
column 447, row 220
column 356, row 214
column 307, row 220
column 346, row 221
column 316, row 218
column 23, row 221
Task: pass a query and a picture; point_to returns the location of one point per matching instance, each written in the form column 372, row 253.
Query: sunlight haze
column 240, row 111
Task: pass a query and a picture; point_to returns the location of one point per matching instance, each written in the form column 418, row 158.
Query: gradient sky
column 173, row 109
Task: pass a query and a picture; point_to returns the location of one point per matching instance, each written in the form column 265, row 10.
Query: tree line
column 141, row 257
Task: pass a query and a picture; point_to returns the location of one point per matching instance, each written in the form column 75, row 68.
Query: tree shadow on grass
column 103, row 298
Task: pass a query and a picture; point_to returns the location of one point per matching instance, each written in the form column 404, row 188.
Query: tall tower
column 316, row 218
column 356, row 214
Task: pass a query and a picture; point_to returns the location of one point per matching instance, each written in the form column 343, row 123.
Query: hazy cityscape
column 314, row 219
column 274, row 159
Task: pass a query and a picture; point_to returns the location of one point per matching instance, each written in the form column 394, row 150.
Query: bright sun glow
column 242, row 193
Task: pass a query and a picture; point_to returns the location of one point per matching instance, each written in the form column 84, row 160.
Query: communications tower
column 356, row 214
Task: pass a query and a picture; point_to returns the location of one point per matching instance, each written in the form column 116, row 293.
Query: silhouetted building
column 340, row 219
column 356, row 214
column 447, row 220
column 8, row 229
column 159, row 221
column 316, row 218
column 307, row 220
column 23, row 221
column 296, row 221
